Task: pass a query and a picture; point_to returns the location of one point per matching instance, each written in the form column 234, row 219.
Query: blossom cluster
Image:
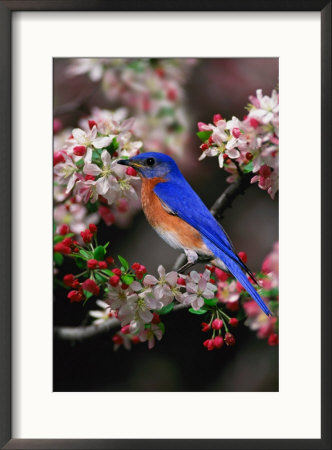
column 248, row 145
column 152, row 89
column 89, row 183
column 138, row 300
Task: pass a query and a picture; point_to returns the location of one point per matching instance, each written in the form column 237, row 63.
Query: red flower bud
column 205, row 327
column 249, row 156
column 218, row 341
column 110, row 260
column 243, row 256
column 62, row 248
column 114, row 280
column 210, row 140
column 155, row 319
column 92, row 124
column 86, row 236
column 135, row 266
column 93, row 228
column 221, row 275
column 216, row 118
column 236, row 132
column 92, row 264
column 69, row 279
column 68, row 242
column 64, row 229
column 117, row 272
column 233, row 322
column 58, row 158
column 233, row 306
column 204, row 147
column 253, row 122
column 124, row 286
column 125, row 329
column 131, row 171
column 273, row 339
column 229, row 339
column 209, row 344
column 102, row 264
column 181, row 281
column 79, row 150
column 75, row 296
column 118, row 340
column 91, row 286
column 135, row 340
column 217, row 324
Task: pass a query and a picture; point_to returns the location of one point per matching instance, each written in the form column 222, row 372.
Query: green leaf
column 114, row 145
column 199, row 311
column 161, row 326
column 248, row 167
column 81, row 264
column 58, row 258
column 80, row 163
column 60, row 238
column 57, row 239
column 241, row 315
column 211, row 301
column 87, row 294
column 86, row 254
column 99, row 253
column 106, row 245
column 124, row 262
column 204, row 135
column 127, row 279
column 100, row 277
column 108, row 272
column 166, row 309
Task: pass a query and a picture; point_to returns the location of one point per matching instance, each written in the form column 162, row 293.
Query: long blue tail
column 238, row 273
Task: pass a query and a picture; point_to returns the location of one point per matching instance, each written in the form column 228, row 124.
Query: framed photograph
column 126, row 121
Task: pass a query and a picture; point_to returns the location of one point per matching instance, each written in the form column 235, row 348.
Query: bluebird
column 180, row 217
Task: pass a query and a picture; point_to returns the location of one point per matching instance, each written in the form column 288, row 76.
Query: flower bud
column 273, row 339
column 91, row 286
column 229, row 339
column 92, row 264
column 114, row 280
column 233, row 322
column 217, row 324
column 218, row 341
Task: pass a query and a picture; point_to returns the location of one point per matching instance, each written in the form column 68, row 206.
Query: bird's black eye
column 150, row 162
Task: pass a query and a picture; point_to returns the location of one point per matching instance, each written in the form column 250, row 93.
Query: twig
column 80, row 104
column 87, row 332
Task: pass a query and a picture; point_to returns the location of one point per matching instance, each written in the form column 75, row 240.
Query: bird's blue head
column 152, row 165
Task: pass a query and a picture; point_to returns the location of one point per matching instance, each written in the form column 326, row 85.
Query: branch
column 87, row 332
column 80, row 104
column 223, row 202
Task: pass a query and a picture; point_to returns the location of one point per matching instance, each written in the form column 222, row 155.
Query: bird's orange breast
column 162, row 220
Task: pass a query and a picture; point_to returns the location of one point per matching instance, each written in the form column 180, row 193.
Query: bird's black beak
column 131, row 163
column 124, row 162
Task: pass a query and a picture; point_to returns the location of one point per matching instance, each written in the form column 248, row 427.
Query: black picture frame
column 7, row 7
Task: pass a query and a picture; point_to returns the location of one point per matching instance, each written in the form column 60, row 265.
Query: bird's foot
column 191, row 255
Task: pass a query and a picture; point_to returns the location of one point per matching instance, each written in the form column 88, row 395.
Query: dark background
column 179, row 362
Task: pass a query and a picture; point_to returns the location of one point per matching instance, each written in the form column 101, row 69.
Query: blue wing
column 179, row 197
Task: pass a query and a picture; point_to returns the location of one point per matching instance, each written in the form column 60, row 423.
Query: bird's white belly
column 170, row 238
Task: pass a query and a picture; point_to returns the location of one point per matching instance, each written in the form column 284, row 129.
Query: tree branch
column 86, row 332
